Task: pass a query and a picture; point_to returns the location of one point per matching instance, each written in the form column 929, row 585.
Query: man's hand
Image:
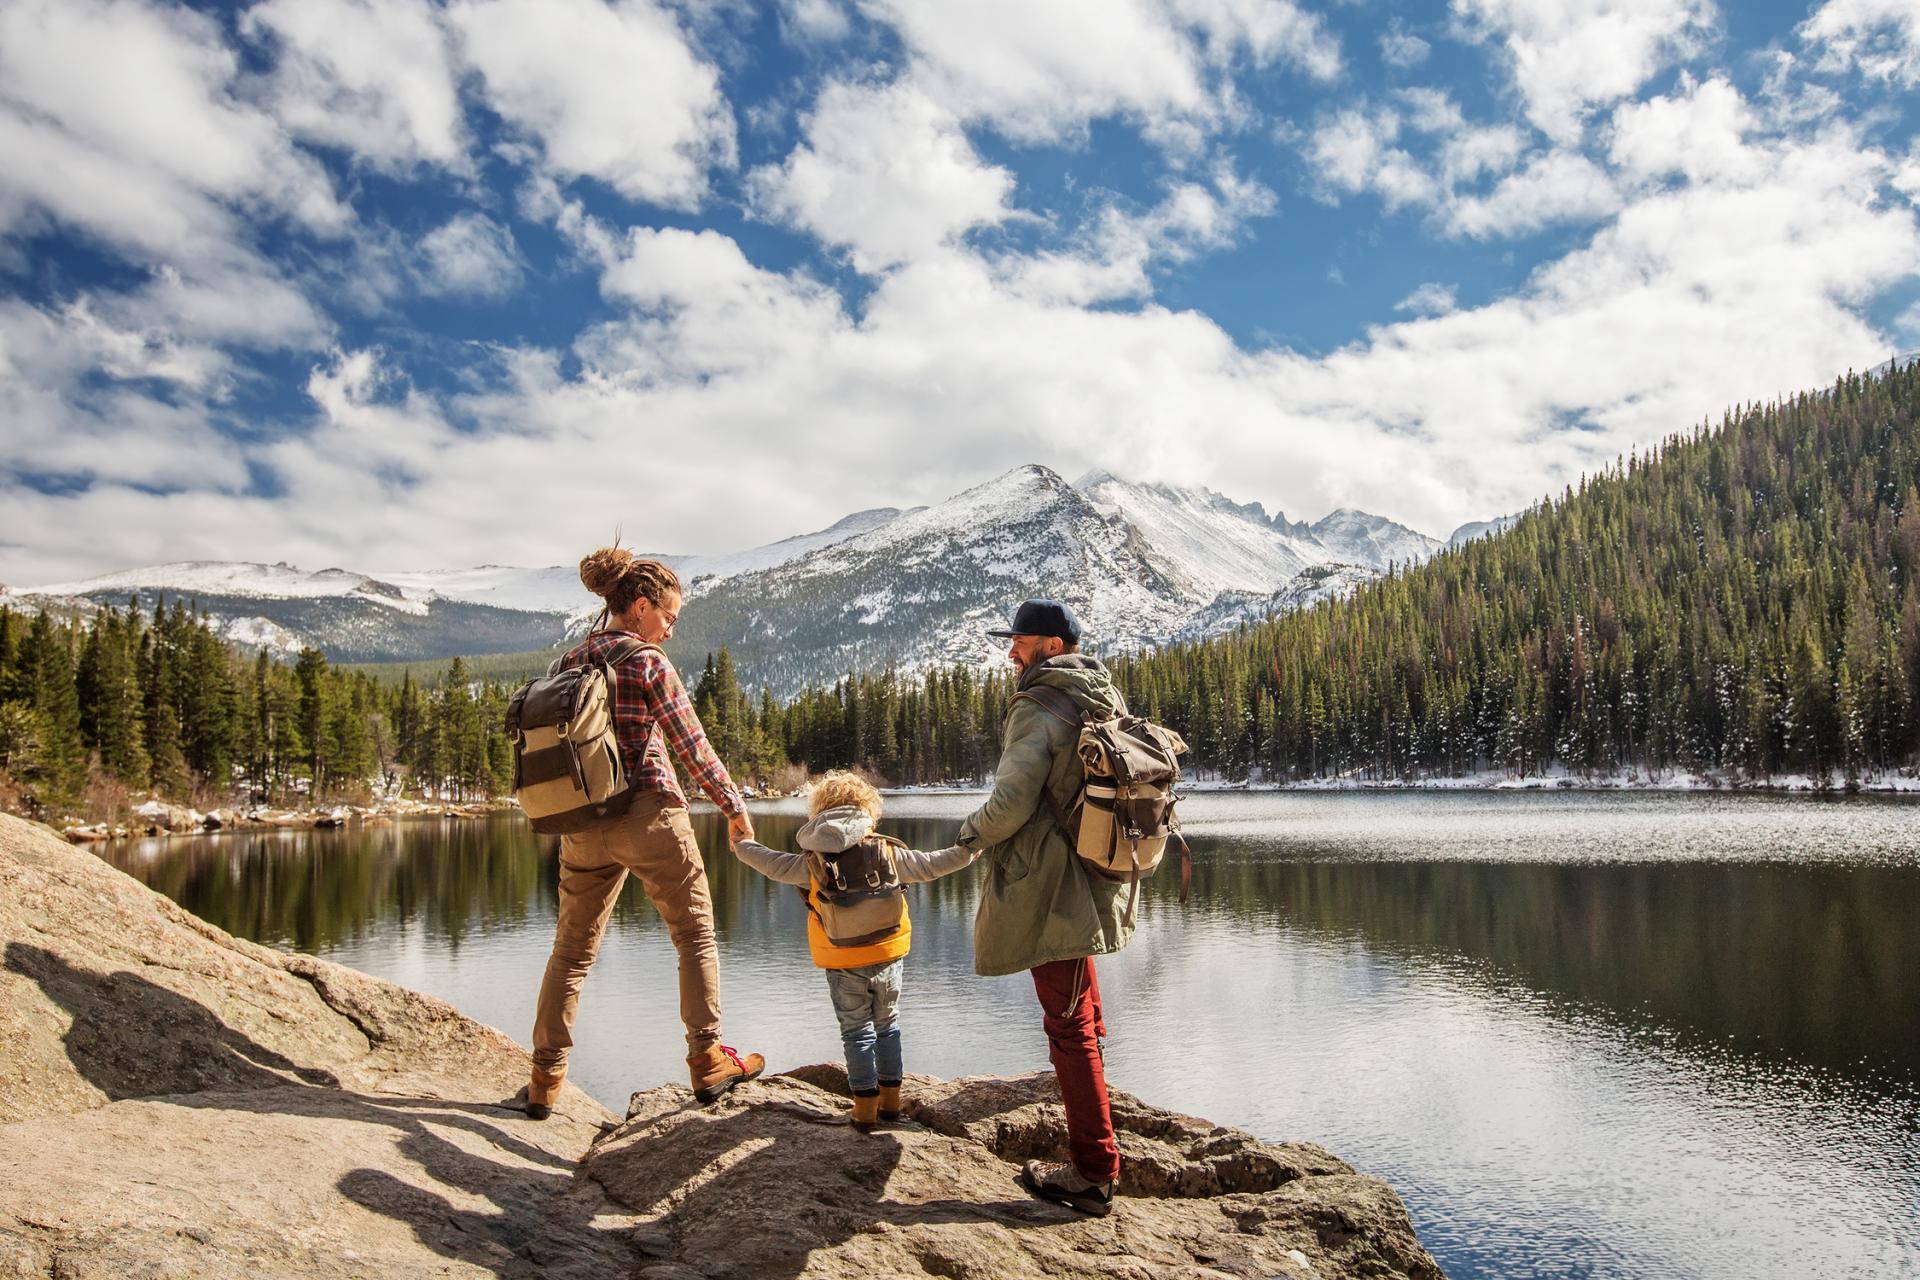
column 739, row 827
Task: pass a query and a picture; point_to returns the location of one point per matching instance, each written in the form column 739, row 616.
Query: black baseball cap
column 1042, row 618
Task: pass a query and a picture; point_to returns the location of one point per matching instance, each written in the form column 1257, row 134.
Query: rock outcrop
column 176, row 1101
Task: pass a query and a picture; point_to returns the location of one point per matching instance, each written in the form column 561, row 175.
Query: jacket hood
column 835, row 830
column 1079, row 677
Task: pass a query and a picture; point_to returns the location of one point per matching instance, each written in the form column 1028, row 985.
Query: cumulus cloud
column 1354, row 150
column 1880, row 38
column 1112, row 255
column 1401, row 48
column 1552, row 187
column 885, row 171
column 1430, row 299
column 470, row 255
column 1570, row 56
column 614, row 92
column 374, row 78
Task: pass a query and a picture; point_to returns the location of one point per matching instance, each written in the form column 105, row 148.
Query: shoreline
column 156, row 818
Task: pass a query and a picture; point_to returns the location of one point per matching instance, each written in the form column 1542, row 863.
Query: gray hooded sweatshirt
column 839, row 829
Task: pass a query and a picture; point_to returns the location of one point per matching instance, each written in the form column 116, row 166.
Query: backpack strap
column 621, row 653
column 1060, row 707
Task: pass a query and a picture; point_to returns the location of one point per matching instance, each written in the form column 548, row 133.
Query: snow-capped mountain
column 1482, row 529
column 1354, row 537
column 1140, row 563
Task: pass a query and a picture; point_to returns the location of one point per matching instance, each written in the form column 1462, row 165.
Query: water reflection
column 1588, row 1052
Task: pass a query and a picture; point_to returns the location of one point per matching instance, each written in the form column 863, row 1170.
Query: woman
column 653, row 838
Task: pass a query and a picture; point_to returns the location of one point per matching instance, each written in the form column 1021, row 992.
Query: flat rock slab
column 178, row 1102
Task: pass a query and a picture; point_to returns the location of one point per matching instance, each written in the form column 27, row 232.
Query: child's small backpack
column 567, row 771
column 1123, row 817
column 857, row 894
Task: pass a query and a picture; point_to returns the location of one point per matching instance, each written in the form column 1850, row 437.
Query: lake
column 1659, row 1036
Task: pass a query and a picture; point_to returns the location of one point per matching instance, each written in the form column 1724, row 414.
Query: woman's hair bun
column 602, row 570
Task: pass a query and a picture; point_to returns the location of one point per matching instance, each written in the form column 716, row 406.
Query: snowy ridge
column 1482, row 529
column 230, row 578
column 1215, row 544
column 701, row 572
column 1141, row 564
column 1355, row 537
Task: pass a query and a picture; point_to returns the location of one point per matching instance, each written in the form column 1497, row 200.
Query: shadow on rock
column 131, row 1038
column 488, row 1198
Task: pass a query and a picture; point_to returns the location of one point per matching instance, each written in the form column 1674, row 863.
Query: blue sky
column 417, row 285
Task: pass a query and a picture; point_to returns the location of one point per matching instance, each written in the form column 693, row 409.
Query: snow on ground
column 1559, row 779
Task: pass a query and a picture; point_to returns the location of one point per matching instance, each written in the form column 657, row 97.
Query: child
column 857, row 926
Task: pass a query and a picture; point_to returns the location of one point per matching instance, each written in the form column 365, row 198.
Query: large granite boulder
column 178, row 1102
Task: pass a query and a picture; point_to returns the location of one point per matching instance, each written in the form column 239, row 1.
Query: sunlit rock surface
column 175, row 1101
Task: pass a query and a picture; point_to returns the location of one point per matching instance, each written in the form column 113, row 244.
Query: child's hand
column 739, row 827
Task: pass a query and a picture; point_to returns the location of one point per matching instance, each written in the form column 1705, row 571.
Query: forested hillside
column 1743, row 598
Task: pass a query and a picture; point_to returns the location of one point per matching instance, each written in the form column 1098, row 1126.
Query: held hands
column 739, row 827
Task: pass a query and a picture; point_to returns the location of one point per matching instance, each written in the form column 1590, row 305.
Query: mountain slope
column 922, row 589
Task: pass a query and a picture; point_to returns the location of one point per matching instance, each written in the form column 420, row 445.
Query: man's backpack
column 1123, row 817
column 567, row 771
column 856, row 892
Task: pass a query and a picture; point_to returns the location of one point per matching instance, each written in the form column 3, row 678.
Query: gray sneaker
column 1064, row 1184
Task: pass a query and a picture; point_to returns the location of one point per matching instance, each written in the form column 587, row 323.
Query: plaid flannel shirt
column 647, row 699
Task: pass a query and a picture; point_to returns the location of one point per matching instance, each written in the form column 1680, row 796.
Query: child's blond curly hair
column 837, row 787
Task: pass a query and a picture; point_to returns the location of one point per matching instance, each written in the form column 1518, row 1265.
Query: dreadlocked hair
column 619, row 577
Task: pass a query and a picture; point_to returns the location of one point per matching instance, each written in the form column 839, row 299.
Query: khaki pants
column 654, row 840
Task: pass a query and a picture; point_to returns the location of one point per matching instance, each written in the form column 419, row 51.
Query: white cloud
column 1040, row 73
column 1553, row 187
column 818, row 20
column 372, row 76
column 1698, row 134
column 1353, row 151
column 1112, row 255
column 1879, row 37
column 1400, row 48
column 608, row 92
column 1475, row 153
column 119, row 121
column 885, row 171
column 1430, row 299
column 707, row 311
column 1268, row 31
column 1570, row 56
column 117, row 118
column 73, row 406
column 470, row 255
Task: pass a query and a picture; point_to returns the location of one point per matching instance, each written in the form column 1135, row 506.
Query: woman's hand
column 739, row 827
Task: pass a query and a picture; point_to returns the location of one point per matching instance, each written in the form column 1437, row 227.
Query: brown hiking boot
column 542, row 1091
column 1064, row 1184
column 719, row 1068
column 890, row 1101
column 866, row 1109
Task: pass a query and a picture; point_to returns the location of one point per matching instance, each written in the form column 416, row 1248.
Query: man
column 1039, row 911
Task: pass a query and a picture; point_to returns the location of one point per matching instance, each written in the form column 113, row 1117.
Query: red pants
column 1070, row 997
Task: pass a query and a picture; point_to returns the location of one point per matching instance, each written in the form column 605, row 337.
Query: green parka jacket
column 1038, row 905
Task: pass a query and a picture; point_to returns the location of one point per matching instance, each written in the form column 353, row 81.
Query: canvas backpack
column 1121, row 820
column 567, row 770
column 856, row 892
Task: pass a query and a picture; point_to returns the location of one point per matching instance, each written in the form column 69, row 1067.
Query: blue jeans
column 866, row 1001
